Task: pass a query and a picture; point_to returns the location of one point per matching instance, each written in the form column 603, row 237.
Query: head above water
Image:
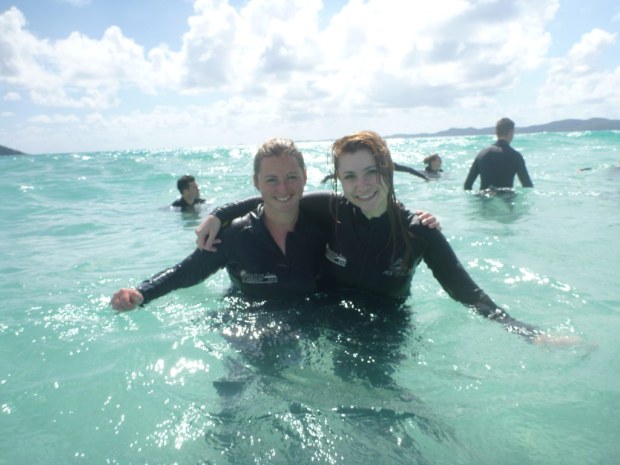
column 433, row 162
column 280, row 177
column 184, row 182
column 371, row 146
column 504, row 129
column 376, row 145
column 276, row 148
column 188, row 188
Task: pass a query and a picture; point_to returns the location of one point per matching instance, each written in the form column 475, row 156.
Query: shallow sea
column 199, row 378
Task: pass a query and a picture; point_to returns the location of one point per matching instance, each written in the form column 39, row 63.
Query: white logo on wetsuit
column 258, row 278
column 334, row 257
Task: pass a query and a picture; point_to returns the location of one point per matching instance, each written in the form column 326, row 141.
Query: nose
column 367, row 180
column 282, row 185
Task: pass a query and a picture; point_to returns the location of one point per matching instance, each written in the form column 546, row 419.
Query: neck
column 377, row 212
column 279, row 225
column 188, row 198
column 373, row 214
column 280, row 221
column 507, row 138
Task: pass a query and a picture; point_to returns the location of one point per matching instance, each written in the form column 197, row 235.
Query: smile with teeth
column 283, row 199
column 366, row 196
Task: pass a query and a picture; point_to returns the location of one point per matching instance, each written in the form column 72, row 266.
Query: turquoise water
column 430, row 384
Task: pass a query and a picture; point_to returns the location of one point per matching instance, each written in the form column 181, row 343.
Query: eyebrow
column 265, row 176
column 369, row 167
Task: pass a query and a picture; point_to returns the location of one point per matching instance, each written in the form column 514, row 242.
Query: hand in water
column 126, row 299
column 207, row 232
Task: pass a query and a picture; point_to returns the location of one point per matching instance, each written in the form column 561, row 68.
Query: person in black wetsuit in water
column 433, row 165
column 273, row 251
column 498, row 164
column 190, row 193
column 374, row 245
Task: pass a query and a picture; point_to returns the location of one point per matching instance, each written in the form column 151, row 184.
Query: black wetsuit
column 359, row 255
column 497, row 166
column 407, row 169
column 254, row 262
column 431, row 173
column 180, row 202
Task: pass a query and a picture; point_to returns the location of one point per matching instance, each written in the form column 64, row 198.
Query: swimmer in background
column 190, row 193
column 589, row 168
column 433, row 166
column 498, row 164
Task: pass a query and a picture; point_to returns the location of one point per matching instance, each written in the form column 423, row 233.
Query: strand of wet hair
column 397, row 167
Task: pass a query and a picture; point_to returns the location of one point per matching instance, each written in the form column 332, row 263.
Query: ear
column 256, row 182
column 305, row 177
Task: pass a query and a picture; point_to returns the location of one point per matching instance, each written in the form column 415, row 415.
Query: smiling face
column 281, row 182
column 361, row 182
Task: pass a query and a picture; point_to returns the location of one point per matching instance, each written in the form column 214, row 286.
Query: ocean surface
column 199, row 377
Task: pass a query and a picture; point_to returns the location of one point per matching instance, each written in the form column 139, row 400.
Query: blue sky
column 91, row 75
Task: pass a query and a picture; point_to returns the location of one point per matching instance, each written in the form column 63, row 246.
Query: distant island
column 7, row 151
column 566, row 125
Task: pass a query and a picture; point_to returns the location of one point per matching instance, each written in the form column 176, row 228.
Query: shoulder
column 178, row 203
column 410, row 219
column 248, row 222
column 319, row 205
column 240, row 235
column 507, row 148
column 320, row 196
column 491, row 148
column 417, row 229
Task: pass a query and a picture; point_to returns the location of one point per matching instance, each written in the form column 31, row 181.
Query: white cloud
column 579, row 79
column 269, row 65
column 6, row 114
column 12, row 97
column 251, row 49
column 76, row 72
column 54, row 119
column 430, row 54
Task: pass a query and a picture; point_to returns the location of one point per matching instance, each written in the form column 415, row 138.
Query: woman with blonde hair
column 271, row 252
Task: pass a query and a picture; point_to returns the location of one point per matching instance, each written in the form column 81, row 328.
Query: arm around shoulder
column 319, row 205
column 228, row 212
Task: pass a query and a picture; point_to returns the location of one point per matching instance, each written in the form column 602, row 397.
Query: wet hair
column 427, row 161
column 184, row 181
column 397, row 167
column 504, row 126
column 380, row 152
column 276, row 148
